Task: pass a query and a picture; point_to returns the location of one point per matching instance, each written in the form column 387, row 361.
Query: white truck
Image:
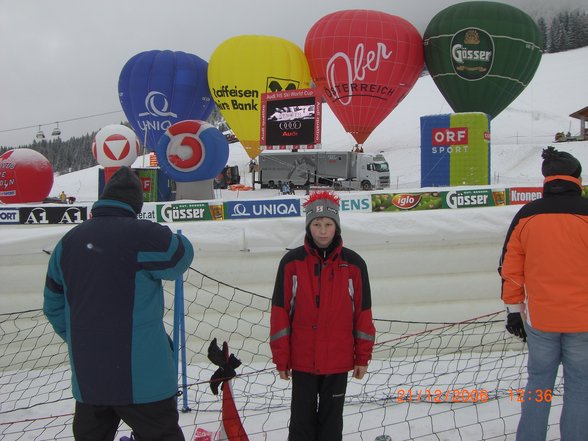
column 337, row 169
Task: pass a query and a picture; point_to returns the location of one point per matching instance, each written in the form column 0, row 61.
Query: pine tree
column 556, row 36
column 543, row 31
column 568, row 30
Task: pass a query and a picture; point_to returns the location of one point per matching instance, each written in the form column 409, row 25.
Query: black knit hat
column 125, row 186
column 559, row 163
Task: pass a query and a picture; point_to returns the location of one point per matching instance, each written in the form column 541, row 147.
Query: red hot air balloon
column 366, row 62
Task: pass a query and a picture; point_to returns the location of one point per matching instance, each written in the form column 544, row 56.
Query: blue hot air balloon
column 159, row 88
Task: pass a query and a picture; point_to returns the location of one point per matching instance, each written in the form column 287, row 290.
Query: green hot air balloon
column 482, row 55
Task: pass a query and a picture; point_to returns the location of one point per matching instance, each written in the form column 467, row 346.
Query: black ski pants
column 317, row 407
column 157, row 421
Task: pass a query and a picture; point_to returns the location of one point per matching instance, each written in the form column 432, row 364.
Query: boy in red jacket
column 321, row 322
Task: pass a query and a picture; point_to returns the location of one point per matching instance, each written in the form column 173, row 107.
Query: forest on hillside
column 566, row 31
column 65, row 156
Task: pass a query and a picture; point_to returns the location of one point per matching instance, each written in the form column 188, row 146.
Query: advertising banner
column 356, row 203
column 259, row 209
column 9, row 216
column 474, row 198
column 149, row 180
column 523, row 195
column 290, row 119
column 148, row 212
column 407, row 201
column 455, row 150
column 68, row 214
column 217, row 211
column 183, row 212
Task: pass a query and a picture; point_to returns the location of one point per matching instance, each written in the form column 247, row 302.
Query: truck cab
column 372, row 171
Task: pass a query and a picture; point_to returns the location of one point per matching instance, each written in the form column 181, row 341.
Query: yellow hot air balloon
column 241, row 69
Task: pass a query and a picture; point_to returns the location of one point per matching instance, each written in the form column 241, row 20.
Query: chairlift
column 40, row 134
column 56, row 131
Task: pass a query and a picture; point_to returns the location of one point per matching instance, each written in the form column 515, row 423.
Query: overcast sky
column 60, row 59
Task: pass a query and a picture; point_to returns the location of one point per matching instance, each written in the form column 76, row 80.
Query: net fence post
column 180, row 338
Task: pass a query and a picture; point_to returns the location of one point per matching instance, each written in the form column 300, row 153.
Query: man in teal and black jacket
column 104, row 297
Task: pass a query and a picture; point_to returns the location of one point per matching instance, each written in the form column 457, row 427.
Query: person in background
column 321, row 322
column 544, row 270
column 285, row 188
column 307, row 187
column 104, row 297
column 63, row 197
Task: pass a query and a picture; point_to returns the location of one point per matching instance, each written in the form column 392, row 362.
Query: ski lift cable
column 62, row 121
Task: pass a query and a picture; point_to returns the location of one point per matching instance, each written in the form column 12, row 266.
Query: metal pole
column 180, row 337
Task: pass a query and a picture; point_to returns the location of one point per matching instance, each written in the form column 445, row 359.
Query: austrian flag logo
column 115, row 146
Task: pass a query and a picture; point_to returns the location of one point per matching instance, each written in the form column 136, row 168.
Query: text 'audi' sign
column 290, row 118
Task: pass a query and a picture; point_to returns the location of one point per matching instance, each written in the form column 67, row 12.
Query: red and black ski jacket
column 321, row 319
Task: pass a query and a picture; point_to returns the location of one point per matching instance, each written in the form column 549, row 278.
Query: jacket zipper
column 317, row 297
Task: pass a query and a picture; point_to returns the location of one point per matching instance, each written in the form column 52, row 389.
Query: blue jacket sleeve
column 184, row 254
column 170, row 259
column 54, row 294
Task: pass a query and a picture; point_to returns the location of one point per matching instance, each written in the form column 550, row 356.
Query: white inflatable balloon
column 115, row 145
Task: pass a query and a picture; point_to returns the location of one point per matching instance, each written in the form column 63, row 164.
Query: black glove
column 514, row 325
column 226, row 365
column 217, row 380
column 216, row 354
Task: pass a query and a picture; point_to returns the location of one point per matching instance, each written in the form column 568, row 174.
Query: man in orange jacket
column 544, row 270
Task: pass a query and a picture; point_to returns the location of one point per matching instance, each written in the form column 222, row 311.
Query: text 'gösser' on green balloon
column 482, row 55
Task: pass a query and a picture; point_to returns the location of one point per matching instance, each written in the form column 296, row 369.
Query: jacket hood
column 562, row 185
